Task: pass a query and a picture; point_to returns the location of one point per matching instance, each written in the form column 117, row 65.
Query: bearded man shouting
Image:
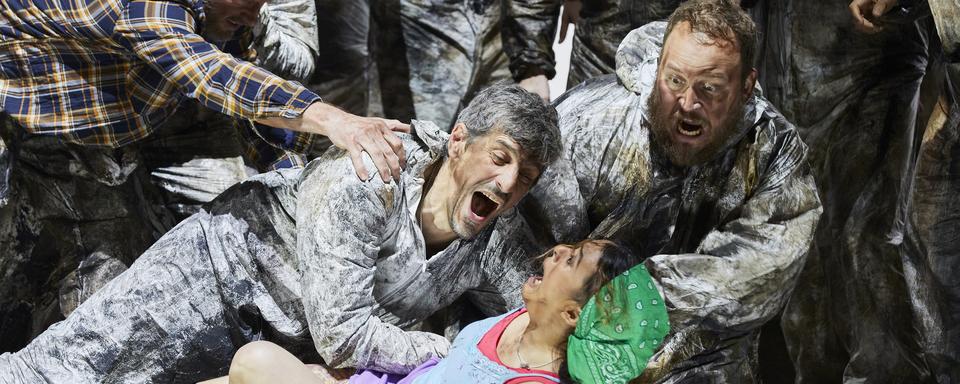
column 679, row 157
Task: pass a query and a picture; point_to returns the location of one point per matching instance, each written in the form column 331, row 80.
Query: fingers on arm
column 397, row 146
column 857, row 8
column 397, row 126
column 880, row 7
column 384, row 147
column 381, row 153
column 357, row 160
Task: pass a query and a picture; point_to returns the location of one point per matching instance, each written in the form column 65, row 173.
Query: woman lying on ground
column 593, row 317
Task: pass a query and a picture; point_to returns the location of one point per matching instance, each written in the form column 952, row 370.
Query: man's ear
column 749, row 84
column 571, row 313
column 458, row 141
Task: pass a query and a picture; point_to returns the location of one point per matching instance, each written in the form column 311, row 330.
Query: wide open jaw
column 482, row 205
column 689, row 128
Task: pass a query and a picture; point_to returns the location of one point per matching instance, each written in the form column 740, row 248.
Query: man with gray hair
column 292, row 254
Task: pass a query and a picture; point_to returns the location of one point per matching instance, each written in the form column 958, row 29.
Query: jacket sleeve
column 528, row 30
column 944, row 14
column 743, row 272
column 163, row 34
column 287, row 41
column 341, row 223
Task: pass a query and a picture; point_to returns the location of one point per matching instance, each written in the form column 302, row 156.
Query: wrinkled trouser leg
column 858, row 314
column 343, row 72
column 163, row 320
column 601, row 28
column 76, row 217
column 589, row 57
column 193, row 157
column 452, row 53
column 390, row 57
column 79, row 215
column 492, row 67
column 858, row 115
column 808, row 343
column 932, row 246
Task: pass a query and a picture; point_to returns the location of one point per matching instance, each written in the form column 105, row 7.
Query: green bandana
column 618, row 331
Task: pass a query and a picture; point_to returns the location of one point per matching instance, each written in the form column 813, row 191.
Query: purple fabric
column 374, row 377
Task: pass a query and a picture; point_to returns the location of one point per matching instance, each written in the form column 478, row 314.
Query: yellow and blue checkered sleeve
column 163, row 34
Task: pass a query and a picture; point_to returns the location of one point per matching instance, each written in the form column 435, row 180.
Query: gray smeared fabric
column 945, row 15
column 78, row 215
column 450, row 50
column 286, row 38
column 287, row 256
column 931, row 245
column 725, row 241
column 6, row 165
column 878, row 299
column 602, row 26
column 343, row 73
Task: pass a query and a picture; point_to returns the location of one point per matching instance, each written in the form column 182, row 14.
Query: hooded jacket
column 724, row 240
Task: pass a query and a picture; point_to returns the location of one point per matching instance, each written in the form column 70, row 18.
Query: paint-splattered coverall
column 724, row 240
column 602, row 26
column 436, row 53
column 286, row 256
column 72, row 216
column 878, row 301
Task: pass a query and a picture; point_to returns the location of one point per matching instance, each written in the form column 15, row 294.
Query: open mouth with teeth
column 482, row 204
column 688, row 128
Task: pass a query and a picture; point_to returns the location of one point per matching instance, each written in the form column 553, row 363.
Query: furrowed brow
column 508, row 145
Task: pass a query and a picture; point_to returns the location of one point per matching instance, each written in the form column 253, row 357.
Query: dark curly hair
column 615, row 259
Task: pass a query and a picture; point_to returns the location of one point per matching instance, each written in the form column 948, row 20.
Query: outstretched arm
column 163, row 34
column 743, row 272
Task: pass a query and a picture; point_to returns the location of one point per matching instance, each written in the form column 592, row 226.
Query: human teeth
column 689, row 128
column 491, row 197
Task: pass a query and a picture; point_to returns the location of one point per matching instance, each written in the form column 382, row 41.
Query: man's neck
column 434, row 212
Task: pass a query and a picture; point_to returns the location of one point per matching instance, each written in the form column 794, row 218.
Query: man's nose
column 689, row 101
column 508, row 179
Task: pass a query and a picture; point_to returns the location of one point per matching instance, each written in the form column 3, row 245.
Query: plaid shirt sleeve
column 163, row 33
column 262, row 154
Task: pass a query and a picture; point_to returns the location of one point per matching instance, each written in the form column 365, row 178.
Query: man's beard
column 679, row 154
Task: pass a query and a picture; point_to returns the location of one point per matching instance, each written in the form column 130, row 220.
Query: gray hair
column 519, row 114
